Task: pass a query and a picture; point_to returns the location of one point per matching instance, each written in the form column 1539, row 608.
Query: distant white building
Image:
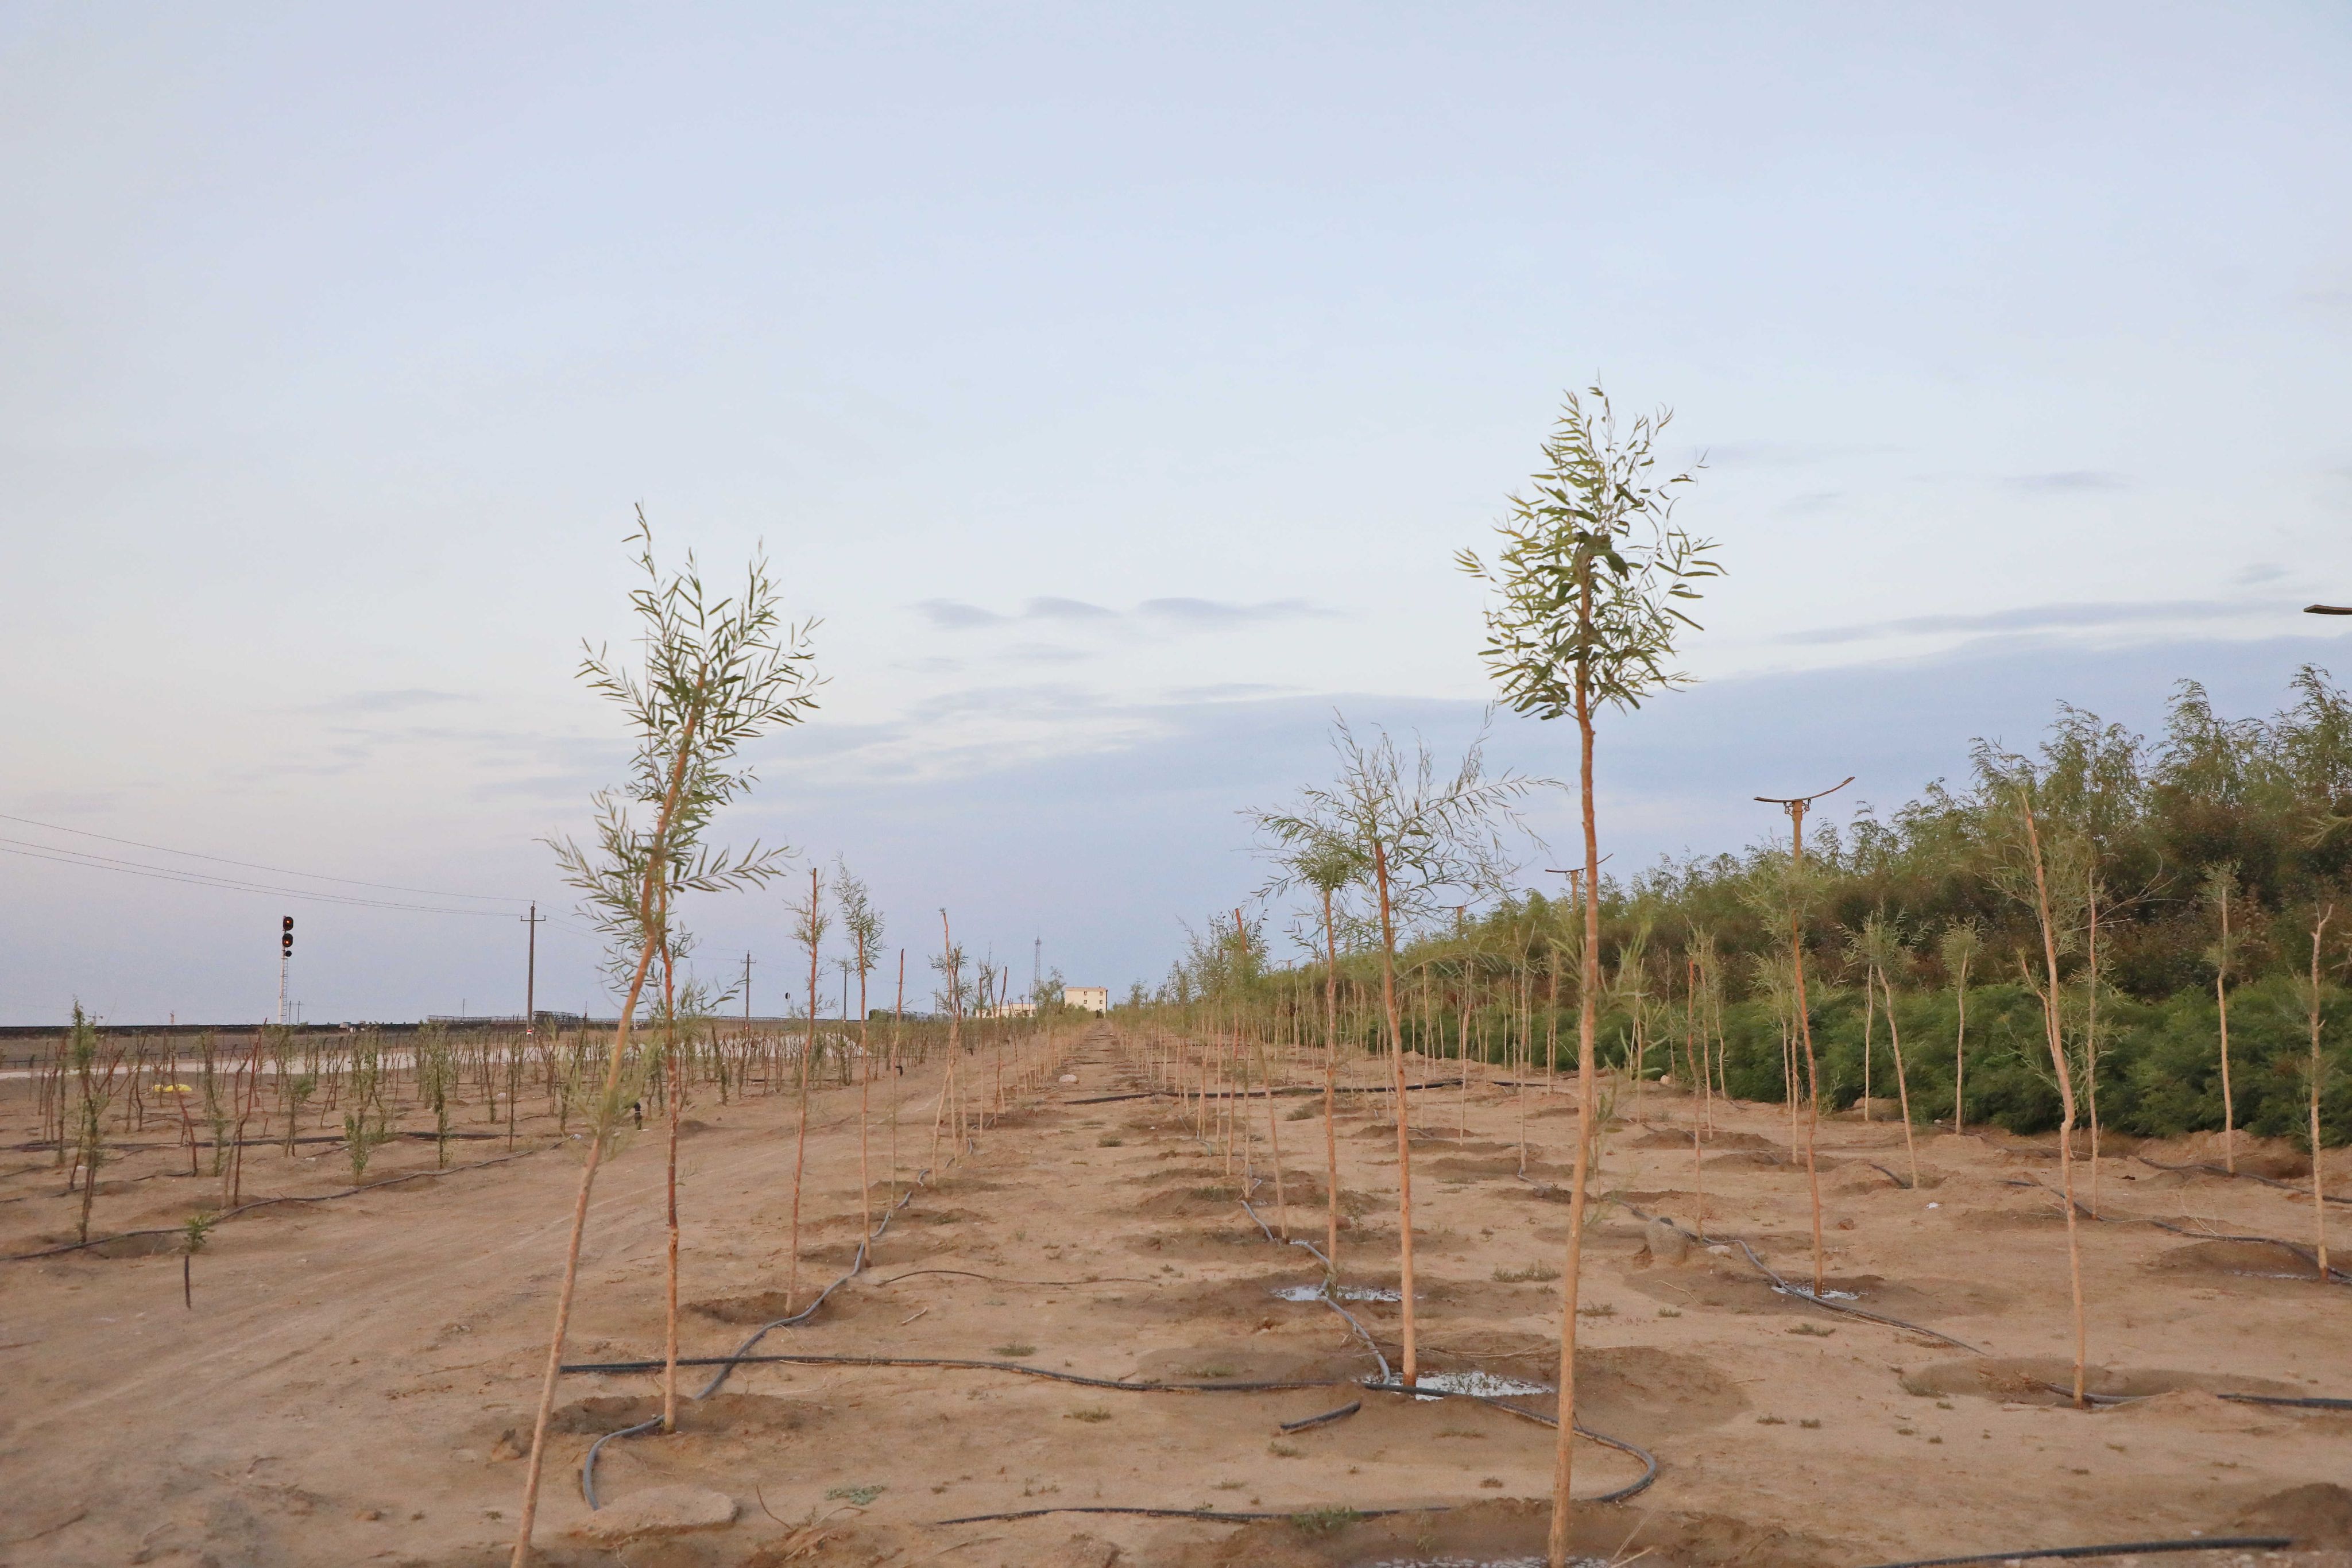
column 1009, row 1011
column 1086, row 998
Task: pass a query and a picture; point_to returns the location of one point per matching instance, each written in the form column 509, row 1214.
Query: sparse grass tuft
column 1324, row 1520
column 1770, row 1421
column 1532, row 1272
column 1597, row 1310
column 1811, row 1332
column 1282, row 1450
column 857, row 1497
column 1110, row 1141
column 1091, row 1413
column 1016, row 1349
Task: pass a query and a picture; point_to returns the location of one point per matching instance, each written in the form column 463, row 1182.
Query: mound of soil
column 2049, row 1380
column 2315, row 1517
column 765, row 1307
column 719, row 1413
column 1508, row 1529
column 2246, row 1260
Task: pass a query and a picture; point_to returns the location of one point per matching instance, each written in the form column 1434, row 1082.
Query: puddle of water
column 1486, row 1385
column 1346, row 1293
column 1800, row 1292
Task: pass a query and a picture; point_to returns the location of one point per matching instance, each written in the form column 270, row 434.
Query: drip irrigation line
column 727, row 1364
column 1889, row 1174
column 960, row 1362
column 271, row 1202
column 1003, row 1280
column 1803, row 1294
column 1324, row 1419
column 2335, row 1276
column 1210, row 1515
column 2120, row 1549
column 2243, row 1176
column 1287, row 1092
column 2312, row 1402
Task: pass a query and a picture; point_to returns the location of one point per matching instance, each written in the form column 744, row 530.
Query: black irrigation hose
column 270, row 1202
column 1324, row 1419
column 2243, row 1175
column 1803, row 1294
column 1287, row 1092
column 1211, row 1515
column 2296, row 1401
column 728, row 1363
column 795, row 1359
column 2335, row 1276
column 2119, row 1549
column 1389, row 1385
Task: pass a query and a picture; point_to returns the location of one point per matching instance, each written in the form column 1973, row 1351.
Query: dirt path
column 344, row 1389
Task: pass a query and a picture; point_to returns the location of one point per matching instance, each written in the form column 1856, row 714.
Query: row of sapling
column 1422, row 833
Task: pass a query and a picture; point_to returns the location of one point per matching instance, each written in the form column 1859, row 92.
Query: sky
column 1114, row 387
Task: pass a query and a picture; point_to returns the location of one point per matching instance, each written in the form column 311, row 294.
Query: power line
column 252, row 865
column 225, row 884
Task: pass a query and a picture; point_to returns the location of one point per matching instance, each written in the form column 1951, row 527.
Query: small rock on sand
column 1667, row 1245
column 659, row 1511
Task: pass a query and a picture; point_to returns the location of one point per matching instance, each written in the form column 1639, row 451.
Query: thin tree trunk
column 1331, row 1089
column 1869, row 1016
column 2221, row 1000
column 800, row 1141
column 2318, row 1200
column 669, row 1274
column 654, row 872
column 1902, row 1082
column 1412, row 1364
column 1960, row 1058
column 2065, row 1099
column 1589, row 983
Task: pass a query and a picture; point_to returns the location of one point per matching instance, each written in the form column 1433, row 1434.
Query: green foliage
column 1593, row 571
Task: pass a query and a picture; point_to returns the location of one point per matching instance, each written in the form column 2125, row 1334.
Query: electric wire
column 255, row 865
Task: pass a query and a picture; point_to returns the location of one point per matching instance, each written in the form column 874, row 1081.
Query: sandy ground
column 349, row 1385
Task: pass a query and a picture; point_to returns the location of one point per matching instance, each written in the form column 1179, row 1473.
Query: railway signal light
column 286, row 936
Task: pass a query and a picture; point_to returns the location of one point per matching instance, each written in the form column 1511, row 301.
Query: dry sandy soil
column 350, row 1381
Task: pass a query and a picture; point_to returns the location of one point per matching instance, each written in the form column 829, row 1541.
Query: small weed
column 1016, row 1349
column 1598, row 1310
column 1092, row 1413
column 1670, row 1311
column 1811, row 1332
column 1531, row 1274
column 1228, row 1486
column 1769, row 1421
column 1810, row 1426
column 1935, row 1440
column 1282, row 1450
column 1324, row 1520
column 1907, row 1431
column 857, row 1497
column 1210, row 1372
column 1946, row 1404
column 1494, row 1481
column 1110, row 1141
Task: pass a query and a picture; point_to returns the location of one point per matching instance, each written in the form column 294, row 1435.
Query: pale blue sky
column 1117, row 386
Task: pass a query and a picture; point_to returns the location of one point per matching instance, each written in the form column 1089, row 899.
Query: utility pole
column 1795, row 806
column 285, row 956
column 531, row 975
